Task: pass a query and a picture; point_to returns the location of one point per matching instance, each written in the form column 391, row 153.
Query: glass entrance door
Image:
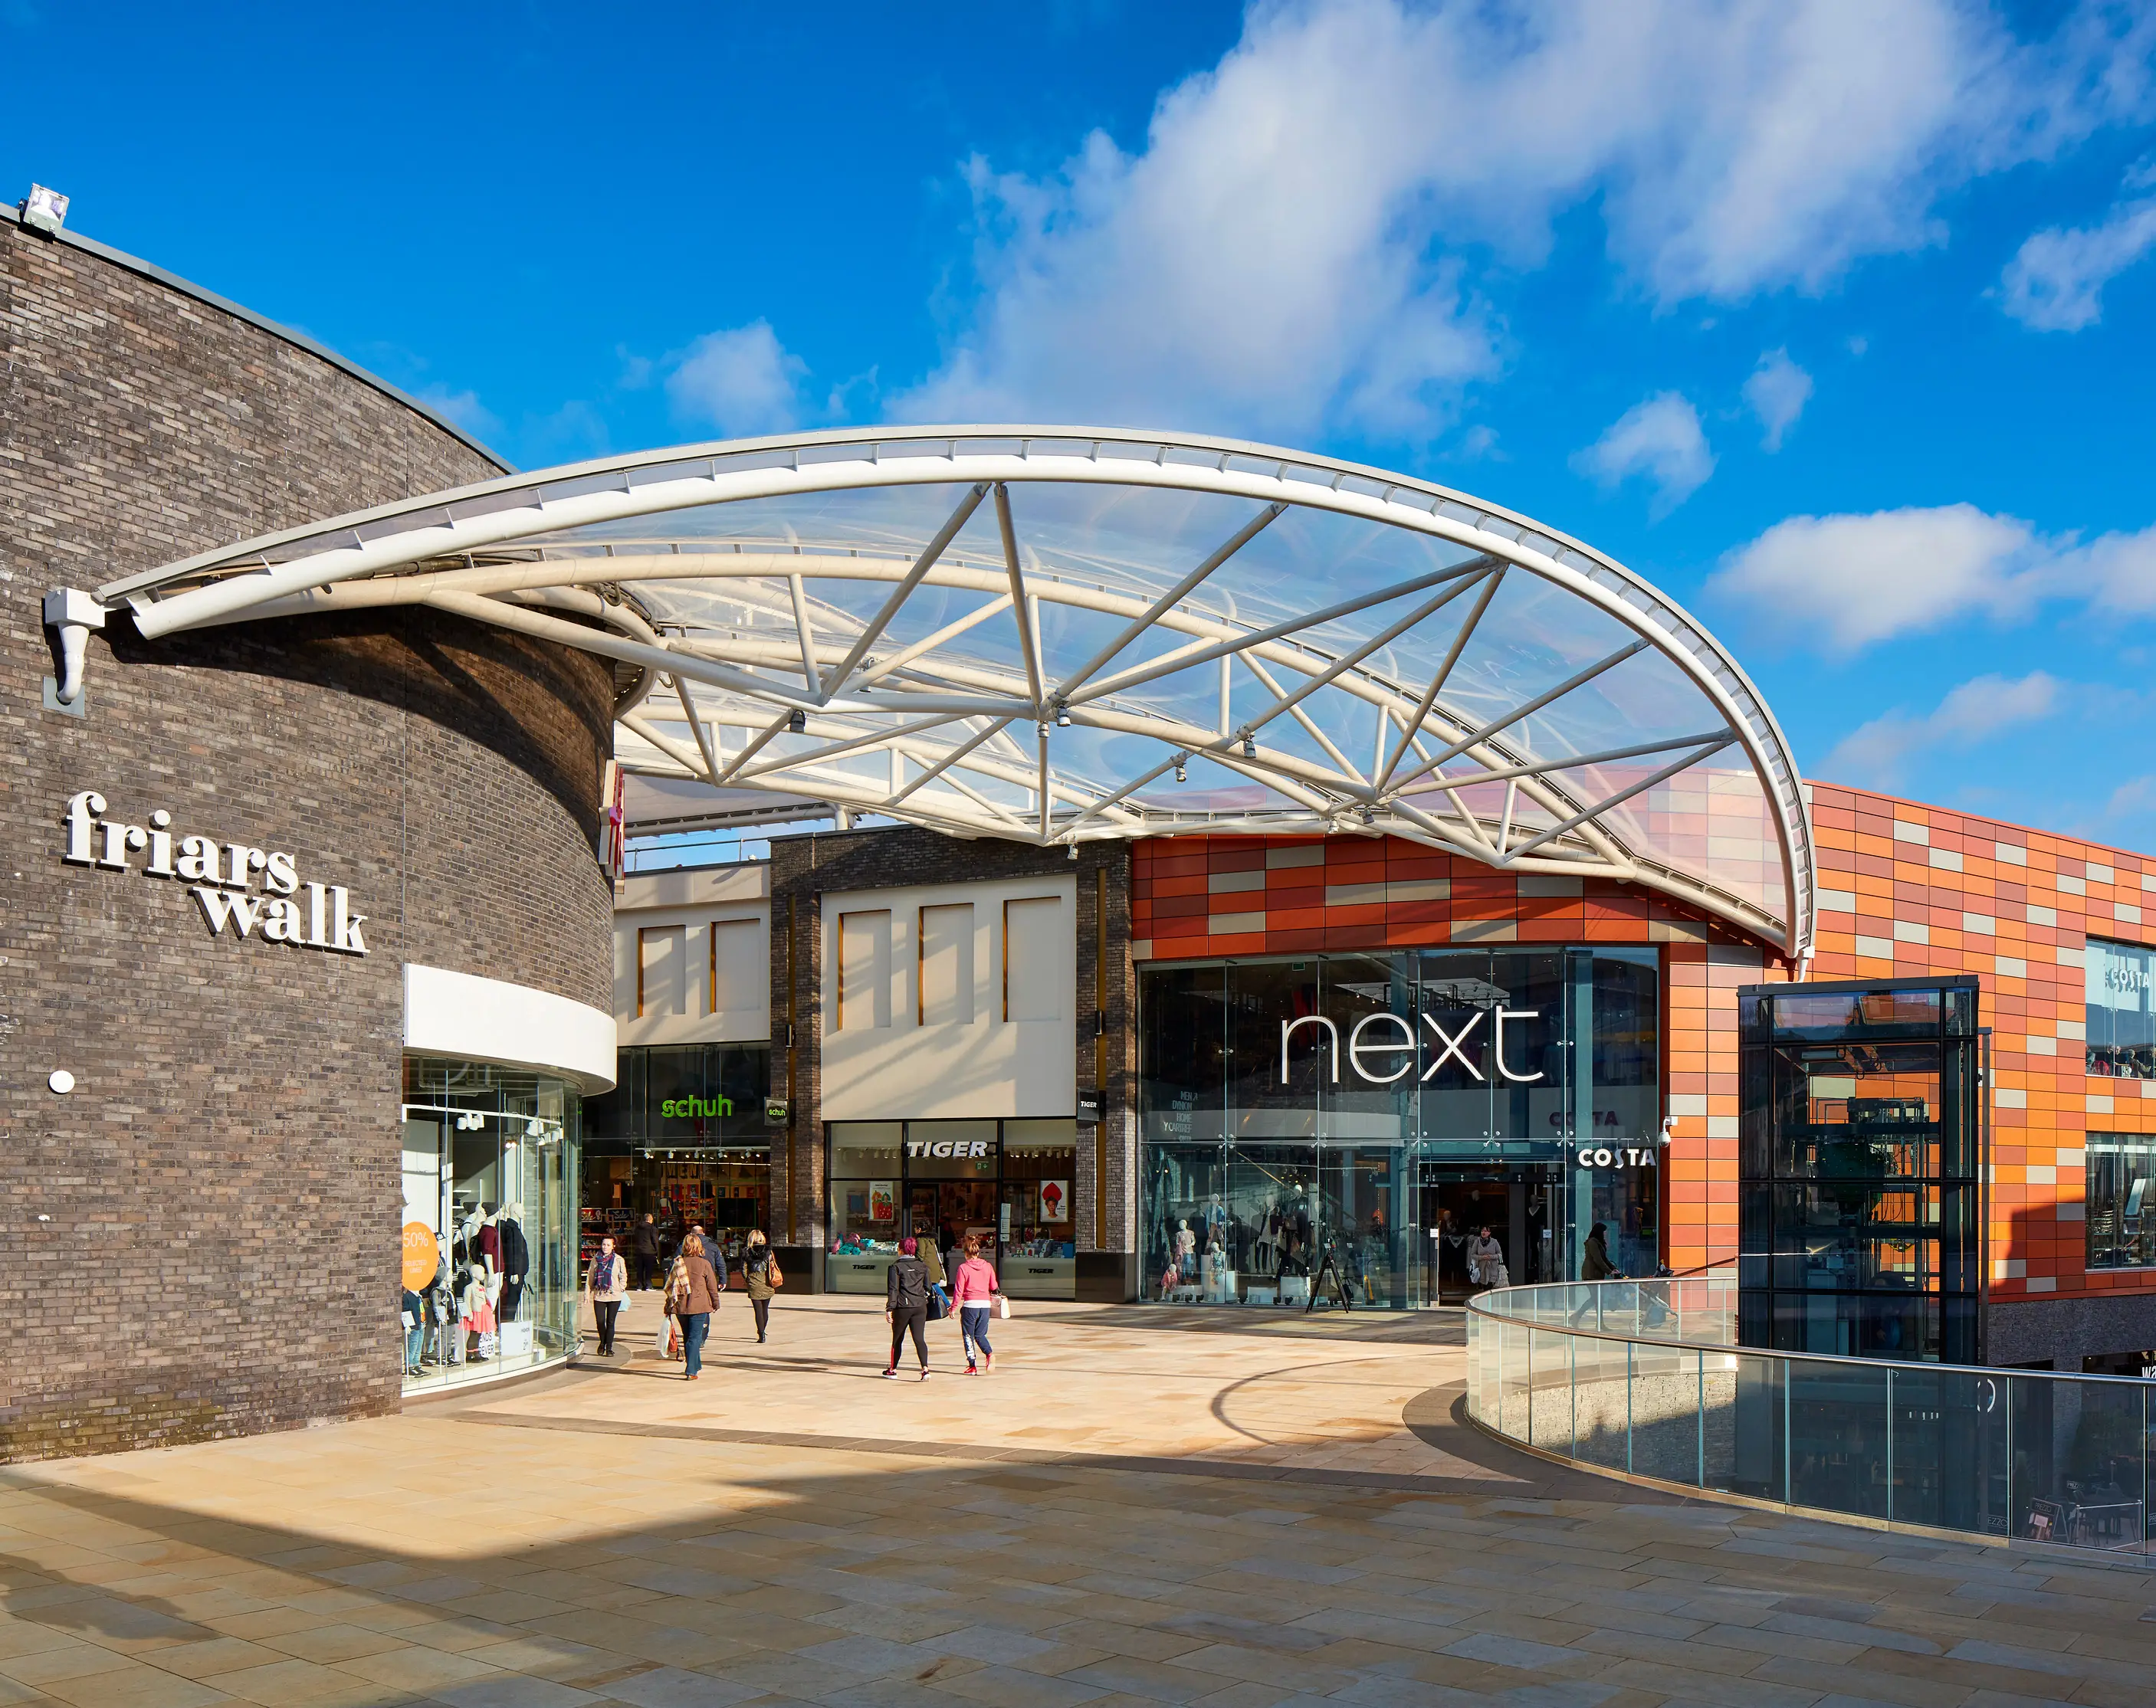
column 1522, row 1206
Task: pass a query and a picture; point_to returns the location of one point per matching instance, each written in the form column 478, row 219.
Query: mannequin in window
column 516, row 1260
column 479, row 1314
column 1186, row 1251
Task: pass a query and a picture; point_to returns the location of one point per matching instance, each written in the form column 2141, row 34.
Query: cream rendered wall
column 731, row 902
column 947, row 1069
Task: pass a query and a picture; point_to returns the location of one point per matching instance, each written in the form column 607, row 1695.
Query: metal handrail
column 1475, row 1305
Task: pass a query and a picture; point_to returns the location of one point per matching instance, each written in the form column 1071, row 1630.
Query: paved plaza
column 1139, row 1507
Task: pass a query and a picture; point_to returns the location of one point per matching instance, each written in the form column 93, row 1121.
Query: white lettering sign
column 220, row 876
column 1615, row 1156
column 1455, row 1044
column 947, row 1148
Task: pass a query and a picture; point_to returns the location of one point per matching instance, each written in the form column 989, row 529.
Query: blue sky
column 1836, row 319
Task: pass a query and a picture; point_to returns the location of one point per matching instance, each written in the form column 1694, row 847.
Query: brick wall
column 802, row 867
column 201, row 1239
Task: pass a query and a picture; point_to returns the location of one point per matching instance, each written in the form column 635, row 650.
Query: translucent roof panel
column 1058, row 635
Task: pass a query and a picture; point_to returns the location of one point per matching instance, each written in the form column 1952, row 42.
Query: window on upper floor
column 2122, row 1010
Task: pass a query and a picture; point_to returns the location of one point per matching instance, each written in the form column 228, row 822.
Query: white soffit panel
column 462, row 1015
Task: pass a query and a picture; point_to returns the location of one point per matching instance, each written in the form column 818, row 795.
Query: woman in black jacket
column 906, row 1305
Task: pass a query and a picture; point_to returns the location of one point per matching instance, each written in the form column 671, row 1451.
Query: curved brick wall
column 202, row 1239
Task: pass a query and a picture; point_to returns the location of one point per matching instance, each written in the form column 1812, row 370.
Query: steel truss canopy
column 1058, row 635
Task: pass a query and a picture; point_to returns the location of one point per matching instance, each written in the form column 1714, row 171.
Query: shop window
column 1182, row 1052
column 2122, row 1201
column 2122, row 1010
column 673, row 1089
column 740, row 972
column 662, row 966
column 1034, row 1216
column 1033, row 971
column 867, row 1176
column 489, row 1247
column 864, row 970
column 945, row 984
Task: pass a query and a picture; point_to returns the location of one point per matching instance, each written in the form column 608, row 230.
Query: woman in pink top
column 974, row 1288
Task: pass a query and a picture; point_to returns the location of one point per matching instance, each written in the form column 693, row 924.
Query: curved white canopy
column 1058, row 634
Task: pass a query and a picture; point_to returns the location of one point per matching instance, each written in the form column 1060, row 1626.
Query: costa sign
column 220, row 876
column 1452, row 1045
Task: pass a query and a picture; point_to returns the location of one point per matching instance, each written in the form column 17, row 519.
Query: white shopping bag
column 1002, row 1306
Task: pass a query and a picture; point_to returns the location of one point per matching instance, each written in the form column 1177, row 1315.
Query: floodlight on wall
column 44, row 210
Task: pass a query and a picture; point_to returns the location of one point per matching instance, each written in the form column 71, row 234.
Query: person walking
column 1486, row 1260
column 700, row 1299
column 670, row 1320
column 606, row 1282
column 906, row 1305
column 939, row 1279
column 647, row 1251
column 1594, row 1263
column 761, row 1277
column 977, row 1293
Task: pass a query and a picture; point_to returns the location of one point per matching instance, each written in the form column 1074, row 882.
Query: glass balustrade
column 1646, row 1379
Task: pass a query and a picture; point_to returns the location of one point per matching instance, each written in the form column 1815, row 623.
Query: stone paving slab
column 1252, row 1513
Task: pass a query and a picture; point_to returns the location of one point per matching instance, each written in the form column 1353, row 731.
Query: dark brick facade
column 201, row 1239
column 804, row 867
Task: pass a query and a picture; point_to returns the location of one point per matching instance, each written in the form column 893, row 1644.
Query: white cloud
column 1777, row 393
column 463, row 408
column 1845, row 581
column 743, row 380
column 1659, row 440
column 1877, row 752
column 1312, row 231
column 2113, row 572
column 2055, row 283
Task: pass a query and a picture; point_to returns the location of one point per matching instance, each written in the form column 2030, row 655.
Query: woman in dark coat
column 906, row 1305
column 759, row 1272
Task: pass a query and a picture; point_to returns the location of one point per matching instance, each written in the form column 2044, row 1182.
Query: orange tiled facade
column 1905, row 891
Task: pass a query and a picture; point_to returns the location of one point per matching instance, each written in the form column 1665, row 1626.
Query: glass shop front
column 1009, row 1183
column 490, row 1281
column 1345, row 1127
column 683, row 1138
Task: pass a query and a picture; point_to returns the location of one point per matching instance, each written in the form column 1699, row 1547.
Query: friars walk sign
column 220, row 876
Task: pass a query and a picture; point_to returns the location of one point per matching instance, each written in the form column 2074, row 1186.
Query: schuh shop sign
column 220, row 877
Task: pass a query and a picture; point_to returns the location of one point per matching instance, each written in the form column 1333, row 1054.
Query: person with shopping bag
column 977, row 1296
column 760, row 1278
column 669, row 1316
column 698, row 1299
column 1486, row 1258
column 906, row 1305
column 606, row 1283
